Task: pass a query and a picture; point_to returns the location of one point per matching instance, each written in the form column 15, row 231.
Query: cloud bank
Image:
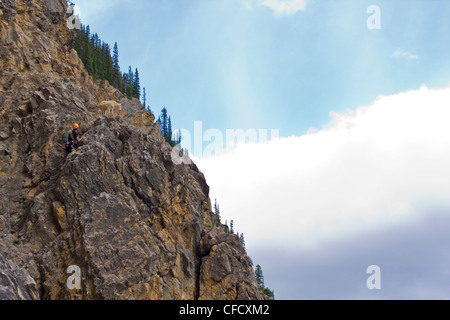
column 413, row 259
column 369, row 169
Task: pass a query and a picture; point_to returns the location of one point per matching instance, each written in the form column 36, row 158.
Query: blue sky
column 367, row 186
column 240, row 64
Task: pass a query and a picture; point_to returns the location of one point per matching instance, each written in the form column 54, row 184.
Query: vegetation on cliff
column 101, row 65
column 229, row 229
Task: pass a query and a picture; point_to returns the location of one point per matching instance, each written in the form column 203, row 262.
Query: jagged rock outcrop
column 136, row 224
column 11, row 287
column 225, row 268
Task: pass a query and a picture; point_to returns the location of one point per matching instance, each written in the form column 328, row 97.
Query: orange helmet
column 75, row 126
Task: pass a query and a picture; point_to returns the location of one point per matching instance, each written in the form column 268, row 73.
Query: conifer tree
column 169, row 132
column 101, row 65
column 136, row 85
column 225, row 227
column 130, row 84
column 269, row 293
column 163, row 122
column 260, row 280
column 115, row 57
column 88, row 55
column 144, row 98
column 166, row 126
column 241, row 239
column 217, row 219
column 108, row 70
column 178, row 138
column 259, row 276
column 117, row 80
column 125, row 84
column 96, row 57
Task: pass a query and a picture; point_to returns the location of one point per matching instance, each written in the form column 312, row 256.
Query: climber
column 77, row 140
column 73, row 140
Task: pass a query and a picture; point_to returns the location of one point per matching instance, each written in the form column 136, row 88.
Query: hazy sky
column 241, row 64
column 359, row 175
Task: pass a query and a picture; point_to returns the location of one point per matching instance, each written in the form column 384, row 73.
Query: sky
column 355, row 96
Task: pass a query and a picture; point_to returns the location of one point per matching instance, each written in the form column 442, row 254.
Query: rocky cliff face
column 137, row 225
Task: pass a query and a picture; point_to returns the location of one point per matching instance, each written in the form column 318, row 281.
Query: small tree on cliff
column 136, row 85
column 260, row 280
column 216, row 219
column 241, row 239
column 144, row 98
column 117, row 80
column 164, row 122
column 129, row 89
column 259, row 276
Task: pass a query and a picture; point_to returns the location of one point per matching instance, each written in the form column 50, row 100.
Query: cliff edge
column 134, row 223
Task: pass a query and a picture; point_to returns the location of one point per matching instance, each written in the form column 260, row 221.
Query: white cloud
column 285, row 6
column 369, row 168
column 399, row 53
